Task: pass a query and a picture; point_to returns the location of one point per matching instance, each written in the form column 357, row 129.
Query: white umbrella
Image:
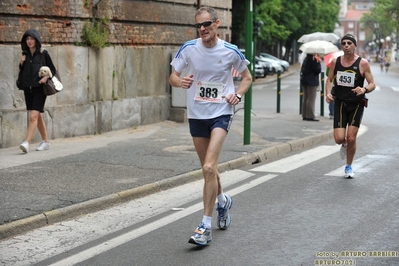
column 319, row 36
column 318, row 47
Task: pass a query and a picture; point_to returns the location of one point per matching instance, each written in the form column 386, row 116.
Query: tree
column 315, row 15
column 377, row 23
column 285, row 21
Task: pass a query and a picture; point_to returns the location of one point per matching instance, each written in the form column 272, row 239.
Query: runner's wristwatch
column 366, row 90
column 238, row 97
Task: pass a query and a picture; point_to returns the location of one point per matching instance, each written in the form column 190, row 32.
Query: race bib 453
column 346, row 79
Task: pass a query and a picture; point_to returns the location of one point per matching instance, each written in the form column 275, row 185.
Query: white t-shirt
column 211, row 68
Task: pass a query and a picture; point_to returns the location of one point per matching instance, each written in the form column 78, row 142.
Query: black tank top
column 346, row 79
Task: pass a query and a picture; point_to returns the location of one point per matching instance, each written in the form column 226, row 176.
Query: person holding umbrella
column 310, row 70
column 347, row 74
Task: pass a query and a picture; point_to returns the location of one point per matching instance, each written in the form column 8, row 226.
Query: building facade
column 120, row 86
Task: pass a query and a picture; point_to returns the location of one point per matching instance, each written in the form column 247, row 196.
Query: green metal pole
column 249, row 46
column 322, row 95
column 278, row 90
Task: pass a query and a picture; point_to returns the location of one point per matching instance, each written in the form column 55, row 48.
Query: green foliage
column 95, row 34
column 377, row 20
column 285, row 21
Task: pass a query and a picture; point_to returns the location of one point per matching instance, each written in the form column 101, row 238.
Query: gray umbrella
column 319, row 36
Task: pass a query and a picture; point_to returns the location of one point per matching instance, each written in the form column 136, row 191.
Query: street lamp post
column 388, row 39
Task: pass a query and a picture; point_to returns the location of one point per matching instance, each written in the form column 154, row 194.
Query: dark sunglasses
column 205, row 24
column 346, row 43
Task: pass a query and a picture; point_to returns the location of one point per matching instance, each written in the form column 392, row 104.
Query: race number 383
column 209, row 92
column 346, row 79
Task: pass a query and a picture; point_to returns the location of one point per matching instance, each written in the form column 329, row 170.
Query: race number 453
column 346, row 79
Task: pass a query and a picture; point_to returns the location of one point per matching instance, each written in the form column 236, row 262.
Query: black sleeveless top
column 347, row 78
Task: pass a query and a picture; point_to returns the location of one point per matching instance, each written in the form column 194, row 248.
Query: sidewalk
column 84, row 174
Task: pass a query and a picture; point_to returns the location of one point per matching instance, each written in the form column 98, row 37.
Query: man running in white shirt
column 211, row 97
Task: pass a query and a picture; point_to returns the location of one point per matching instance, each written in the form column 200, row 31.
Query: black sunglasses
column 205, row 24
column 346, row 43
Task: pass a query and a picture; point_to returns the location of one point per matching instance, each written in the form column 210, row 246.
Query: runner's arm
column 329, row 81
column 365, row 67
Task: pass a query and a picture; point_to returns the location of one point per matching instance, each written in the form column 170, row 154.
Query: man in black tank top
column 347, row 74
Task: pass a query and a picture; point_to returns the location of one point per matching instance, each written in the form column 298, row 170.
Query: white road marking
column 298, row 160
column 43, row 243
column 362, row 165
column 117, row 241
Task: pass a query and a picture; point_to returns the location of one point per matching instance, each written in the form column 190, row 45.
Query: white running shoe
column 202, row 235
column 24, row 146
column 43, row 146
column 349, row 172
column 224, row 218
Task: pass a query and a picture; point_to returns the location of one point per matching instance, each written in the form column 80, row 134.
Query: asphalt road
column 293, row 209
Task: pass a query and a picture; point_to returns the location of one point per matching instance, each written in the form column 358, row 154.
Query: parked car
column 283, row 63
column 276, row 66
column 268, row 68
column 259, row 71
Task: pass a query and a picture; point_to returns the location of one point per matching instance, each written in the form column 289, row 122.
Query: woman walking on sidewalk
column 211, row 97
column 31, row 84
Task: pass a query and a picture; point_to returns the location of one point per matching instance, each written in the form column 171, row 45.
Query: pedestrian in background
column 381, row 58
column 31, row 84
column 310, row 70
column 387, row 62
column 347, row 75
column 211, row 97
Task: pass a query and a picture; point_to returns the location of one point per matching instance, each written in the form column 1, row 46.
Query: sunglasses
column 205, row 24
column 346, row 43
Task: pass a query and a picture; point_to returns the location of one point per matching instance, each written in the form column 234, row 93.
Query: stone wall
column 113, row 88
column 104, row 90
column 163, row 22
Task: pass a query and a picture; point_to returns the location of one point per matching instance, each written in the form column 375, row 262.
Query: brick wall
column 131, row 22
column 107, row 89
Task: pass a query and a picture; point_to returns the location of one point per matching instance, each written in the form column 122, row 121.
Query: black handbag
column 52, row 85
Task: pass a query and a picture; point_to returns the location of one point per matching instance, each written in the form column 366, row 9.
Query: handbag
column 52, row 85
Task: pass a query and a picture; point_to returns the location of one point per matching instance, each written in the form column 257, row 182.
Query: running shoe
column 224, row 218
column 349, row 172
column 43, row 146
column 24, row 146
column 202, row 235
column 342, row 152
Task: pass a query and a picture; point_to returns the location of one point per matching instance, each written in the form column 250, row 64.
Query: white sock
column 207, row 221
column 221, row 199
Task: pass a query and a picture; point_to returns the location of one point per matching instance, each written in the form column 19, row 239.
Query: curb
column 73, row 211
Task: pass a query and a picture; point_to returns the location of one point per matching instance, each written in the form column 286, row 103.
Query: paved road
column 84, row 174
